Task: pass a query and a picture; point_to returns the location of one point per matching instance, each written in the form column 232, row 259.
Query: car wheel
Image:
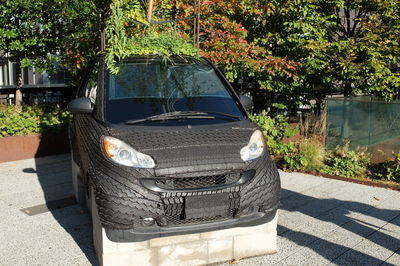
column 79, row 185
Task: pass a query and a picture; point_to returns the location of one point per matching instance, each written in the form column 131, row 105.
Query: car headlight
column 255, row 147
column 121, row 153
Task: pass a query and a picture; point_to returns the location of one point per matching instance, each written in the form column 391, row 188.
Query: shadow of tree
column 329, row 250
column 351, row 221
column 54, row 175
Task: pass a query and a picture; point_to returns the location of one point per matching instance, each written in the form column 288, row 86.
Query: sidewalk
column 321, row 221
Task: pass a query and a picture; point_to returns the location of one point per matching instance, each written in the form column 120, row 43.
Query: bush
column 17, row 121
column 347, row 163
column 308, row 155
column 275, row 129
column 389, row 170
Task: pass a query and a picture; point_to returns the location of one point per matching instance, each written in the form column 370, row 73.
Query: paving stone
column 300, row 182
column 37, row 196
column 81, row 260
column 393, row 260
column 34, row 251
column 377, row 247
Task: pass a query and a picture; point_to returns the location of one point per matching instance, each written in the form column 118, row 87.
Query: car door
column 88, row 89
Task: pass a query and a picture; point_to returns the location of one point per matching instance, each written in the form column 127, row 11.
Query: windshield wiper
column 198, row 113
column 172, row 116
column 224, row 114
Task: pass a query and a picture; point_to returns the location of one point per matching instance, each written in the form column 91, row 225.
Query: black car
column 166, row 148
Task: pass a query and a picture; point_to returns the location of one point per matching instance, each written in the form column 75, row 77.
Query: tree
column 345, row 46
column 41, row 32
column 47, row 28
column 292, row 51
column 365, row 46
column 226, row 40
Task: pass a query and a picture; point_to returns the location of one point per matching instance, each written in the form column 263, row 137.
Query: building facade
column 37, row 87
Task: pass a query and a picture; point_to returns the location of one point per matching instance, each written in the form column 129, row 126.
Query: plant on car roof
column 128, row 32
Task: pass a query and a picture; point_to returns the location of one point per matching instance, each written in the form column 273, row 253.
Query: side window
column 90, row 89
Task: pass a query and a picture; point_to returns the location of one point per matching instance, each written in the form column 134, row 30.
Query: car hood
column 189, row 149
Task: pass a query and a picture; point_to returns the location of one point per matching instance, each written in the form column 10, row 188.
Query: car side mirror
column 81, row 106
column 247, row 102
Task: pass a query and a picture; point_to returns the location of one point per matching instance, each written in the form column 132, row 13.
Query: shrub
column 17, row 121
column 347, row 163
column 275, row 129
column 309, row 156
column 389, row 170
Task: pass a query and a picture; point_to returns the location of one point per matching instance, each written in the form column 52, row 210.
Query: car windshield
column 142, row 89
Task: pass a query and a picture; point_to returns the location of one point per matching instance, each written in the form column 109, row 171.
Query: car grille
column 176, row 211
column 198, row 182
column 180, row 220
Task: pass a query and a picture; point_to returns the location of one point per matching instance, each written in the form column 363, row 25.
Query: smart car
column 165, row 147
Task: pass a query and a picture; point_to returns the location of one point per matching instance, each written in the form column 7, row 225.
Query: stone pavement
column 321, row 221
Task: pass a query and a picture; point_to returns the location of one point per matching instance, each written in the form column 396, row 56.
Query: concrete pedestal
column 193, row 249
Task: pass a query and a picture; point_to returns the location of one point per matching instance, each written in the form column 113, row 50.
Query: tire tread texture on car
column 122, row 200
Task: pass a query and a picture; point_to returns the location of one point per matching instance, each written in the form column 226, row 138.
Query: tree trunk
column 104, row 7
column 196, row 26
column 174, row 10
column 102, row 40
column 18, row 81
column 347, row 89
column 150, row 10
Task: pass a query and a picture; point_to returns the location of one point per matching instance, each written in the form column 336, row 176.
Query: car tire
column 78, row 184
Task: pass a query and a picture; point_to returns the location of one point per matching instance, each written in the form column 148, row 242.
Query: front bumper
column 125, row 199
column 132, row 235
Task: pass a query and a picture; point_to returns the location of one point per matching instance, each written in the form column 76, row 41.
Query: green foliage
column 293, row 160
column 295, row 51
column 346, row 46
column 140, row 40
column 42, row 32
column 388, row 170
column 308, row 155
column 275, row 129
column 231, row 45
column 17, row 121
column 347, row 163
